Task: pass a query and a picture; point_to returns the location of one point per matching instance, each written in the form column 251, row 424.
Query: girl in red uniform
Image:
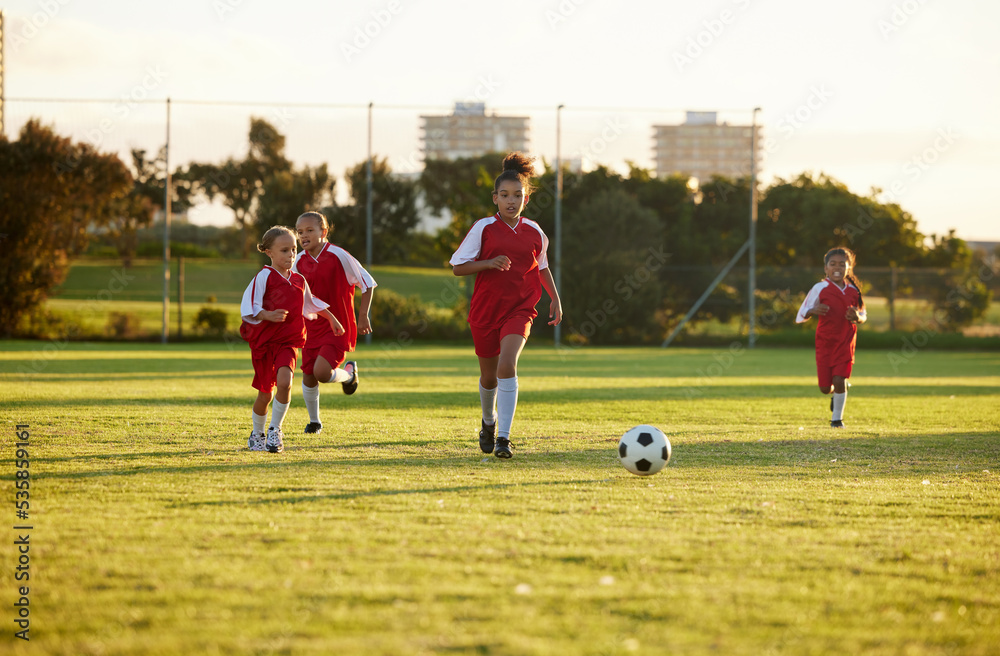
column 332, row 273
column 507, row 254
column 838, row 304
column 273, row 309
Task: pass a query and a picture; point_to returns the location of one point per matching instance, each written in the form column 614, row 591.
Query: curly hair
column 517, row 166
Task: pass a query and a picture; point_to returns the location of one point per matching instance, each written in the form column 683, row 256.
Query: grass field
column 155, row 530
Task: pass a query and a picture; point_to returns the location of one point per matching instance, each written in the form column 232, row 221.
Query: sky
column 899, row 97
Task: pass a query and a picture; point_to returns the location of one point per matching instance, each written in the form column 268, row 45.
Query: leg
column 261, row 403
column 510, row 351
column 283, row 389
column 488, row 371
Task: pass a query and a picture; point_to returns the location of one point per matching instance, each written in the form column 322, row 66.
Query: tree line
column 636, row 248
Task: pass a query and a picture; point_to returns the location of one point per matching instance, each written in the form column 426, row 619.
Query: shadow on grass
column 408, row 400
column 896, row 457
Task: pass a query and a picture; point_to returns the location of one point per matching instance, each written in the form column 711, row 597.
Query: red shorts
column 266, row 364
column 825, row 371
column 330, row 353
column 487, row 340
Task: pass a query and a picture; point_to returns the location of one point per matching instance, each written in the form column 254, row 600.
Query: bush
column 399, row 318
column 210, row 321
column 177, row 249
column 123, row 325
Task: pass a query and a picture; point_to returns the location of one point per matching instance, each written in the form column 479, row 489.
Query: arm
column 555, row 306
column 500, row 262
column 811, row 307
column 276, row 316
column 364, row 307
column 338, row 329
column 857, row 315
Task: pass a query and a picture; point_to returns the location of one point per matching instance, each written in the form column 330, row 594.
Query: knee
column 488, row 382
column 828, row 389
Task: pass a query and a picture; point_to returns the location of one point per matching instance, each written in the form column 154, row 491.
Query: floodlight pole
column 368, row 204
column 752, row 284
column 166, row 236
column 559, row 193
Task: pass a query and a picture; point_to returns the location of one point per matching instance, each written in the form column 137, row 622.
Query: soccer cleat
column 837, row 423
column 275, row 440
column 256, row 442
column 351, row 386
column 503, row 448
column 487, row 436
column 313, row 427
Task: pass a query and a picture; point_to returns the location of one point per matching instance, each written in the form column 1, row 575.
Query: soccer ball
column 644, row 450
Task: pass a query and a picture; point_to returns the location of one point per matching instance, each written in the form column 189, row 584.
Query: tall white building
column 469, row 132
column 701, row 147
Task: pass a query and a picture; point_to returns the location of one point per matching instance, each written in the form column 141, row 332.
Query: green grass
column 157, row 532
column 225, row 279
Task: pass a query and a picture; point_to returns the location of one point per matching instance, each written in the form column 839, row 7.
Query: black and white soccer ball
column 644, row 450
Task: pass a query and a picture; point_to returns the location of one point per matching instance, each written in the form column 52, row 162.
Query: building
column 702, row 147
column 470, row 132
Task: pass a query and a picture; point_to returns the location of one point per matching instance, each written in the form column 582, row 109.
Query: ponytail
column 517, row 166
column 854, row 281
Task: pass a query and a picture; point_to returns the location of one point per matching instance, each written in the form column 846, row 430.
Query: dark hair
column 318, row 216
column 517, row 166
column 851, row 258
column 271, row 235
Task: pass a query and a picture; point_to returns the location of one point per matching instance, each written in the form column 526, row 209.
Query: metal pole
column 752, row 336
column 180, row 297
column 166, row 235
column 559, row 193
column 3, row 106
column 708, row 291
column 368, row 205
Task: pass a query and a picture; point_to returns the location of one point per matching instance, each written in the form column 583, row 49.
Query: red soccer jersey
column 835, row 335
column 499, row 295
column 332, row 276
column 269, row 290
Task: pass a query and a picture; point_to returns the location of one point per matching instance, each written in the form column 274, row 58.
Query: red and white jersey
column 833, row 331
column 497, row 294
column 269, row 290
column 333, row 275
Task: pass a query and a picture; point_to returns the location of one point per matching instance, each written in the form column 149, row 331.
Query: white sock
column 339, row 376
column 488, row 399
column 259, row 421
column 838, row 405
column 506, row 405
column 278, row 410
column 311, row 397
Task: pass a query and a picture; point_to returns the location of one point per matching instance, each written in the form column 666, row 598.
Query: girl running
column 838, row 304
column 334, row 274
column 273, row 309
column 507, row 252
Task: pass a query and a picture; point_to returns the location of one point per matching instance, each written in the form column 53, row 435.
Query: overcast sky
column 899, row 95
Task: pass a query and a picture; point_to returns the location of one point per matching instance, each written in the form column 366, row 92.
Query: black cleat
column 837, row 423
column 313, row 427
column 351, row 386
column 487, row 437
column 503, row 448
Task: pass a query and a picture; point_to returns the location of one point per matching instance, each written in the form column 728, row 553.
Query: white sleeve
column 470, row 247
column 355, row 273
column 543, row 257
column 295, row 264
column 253, row 297
column 811, row 299
column 310, row 304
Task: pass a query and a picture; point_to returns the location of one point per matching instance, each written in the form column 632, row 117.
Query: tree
column 51, row 190
column 241, row 183
column 463, row 187
column 394, row 210
column 139, row 207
